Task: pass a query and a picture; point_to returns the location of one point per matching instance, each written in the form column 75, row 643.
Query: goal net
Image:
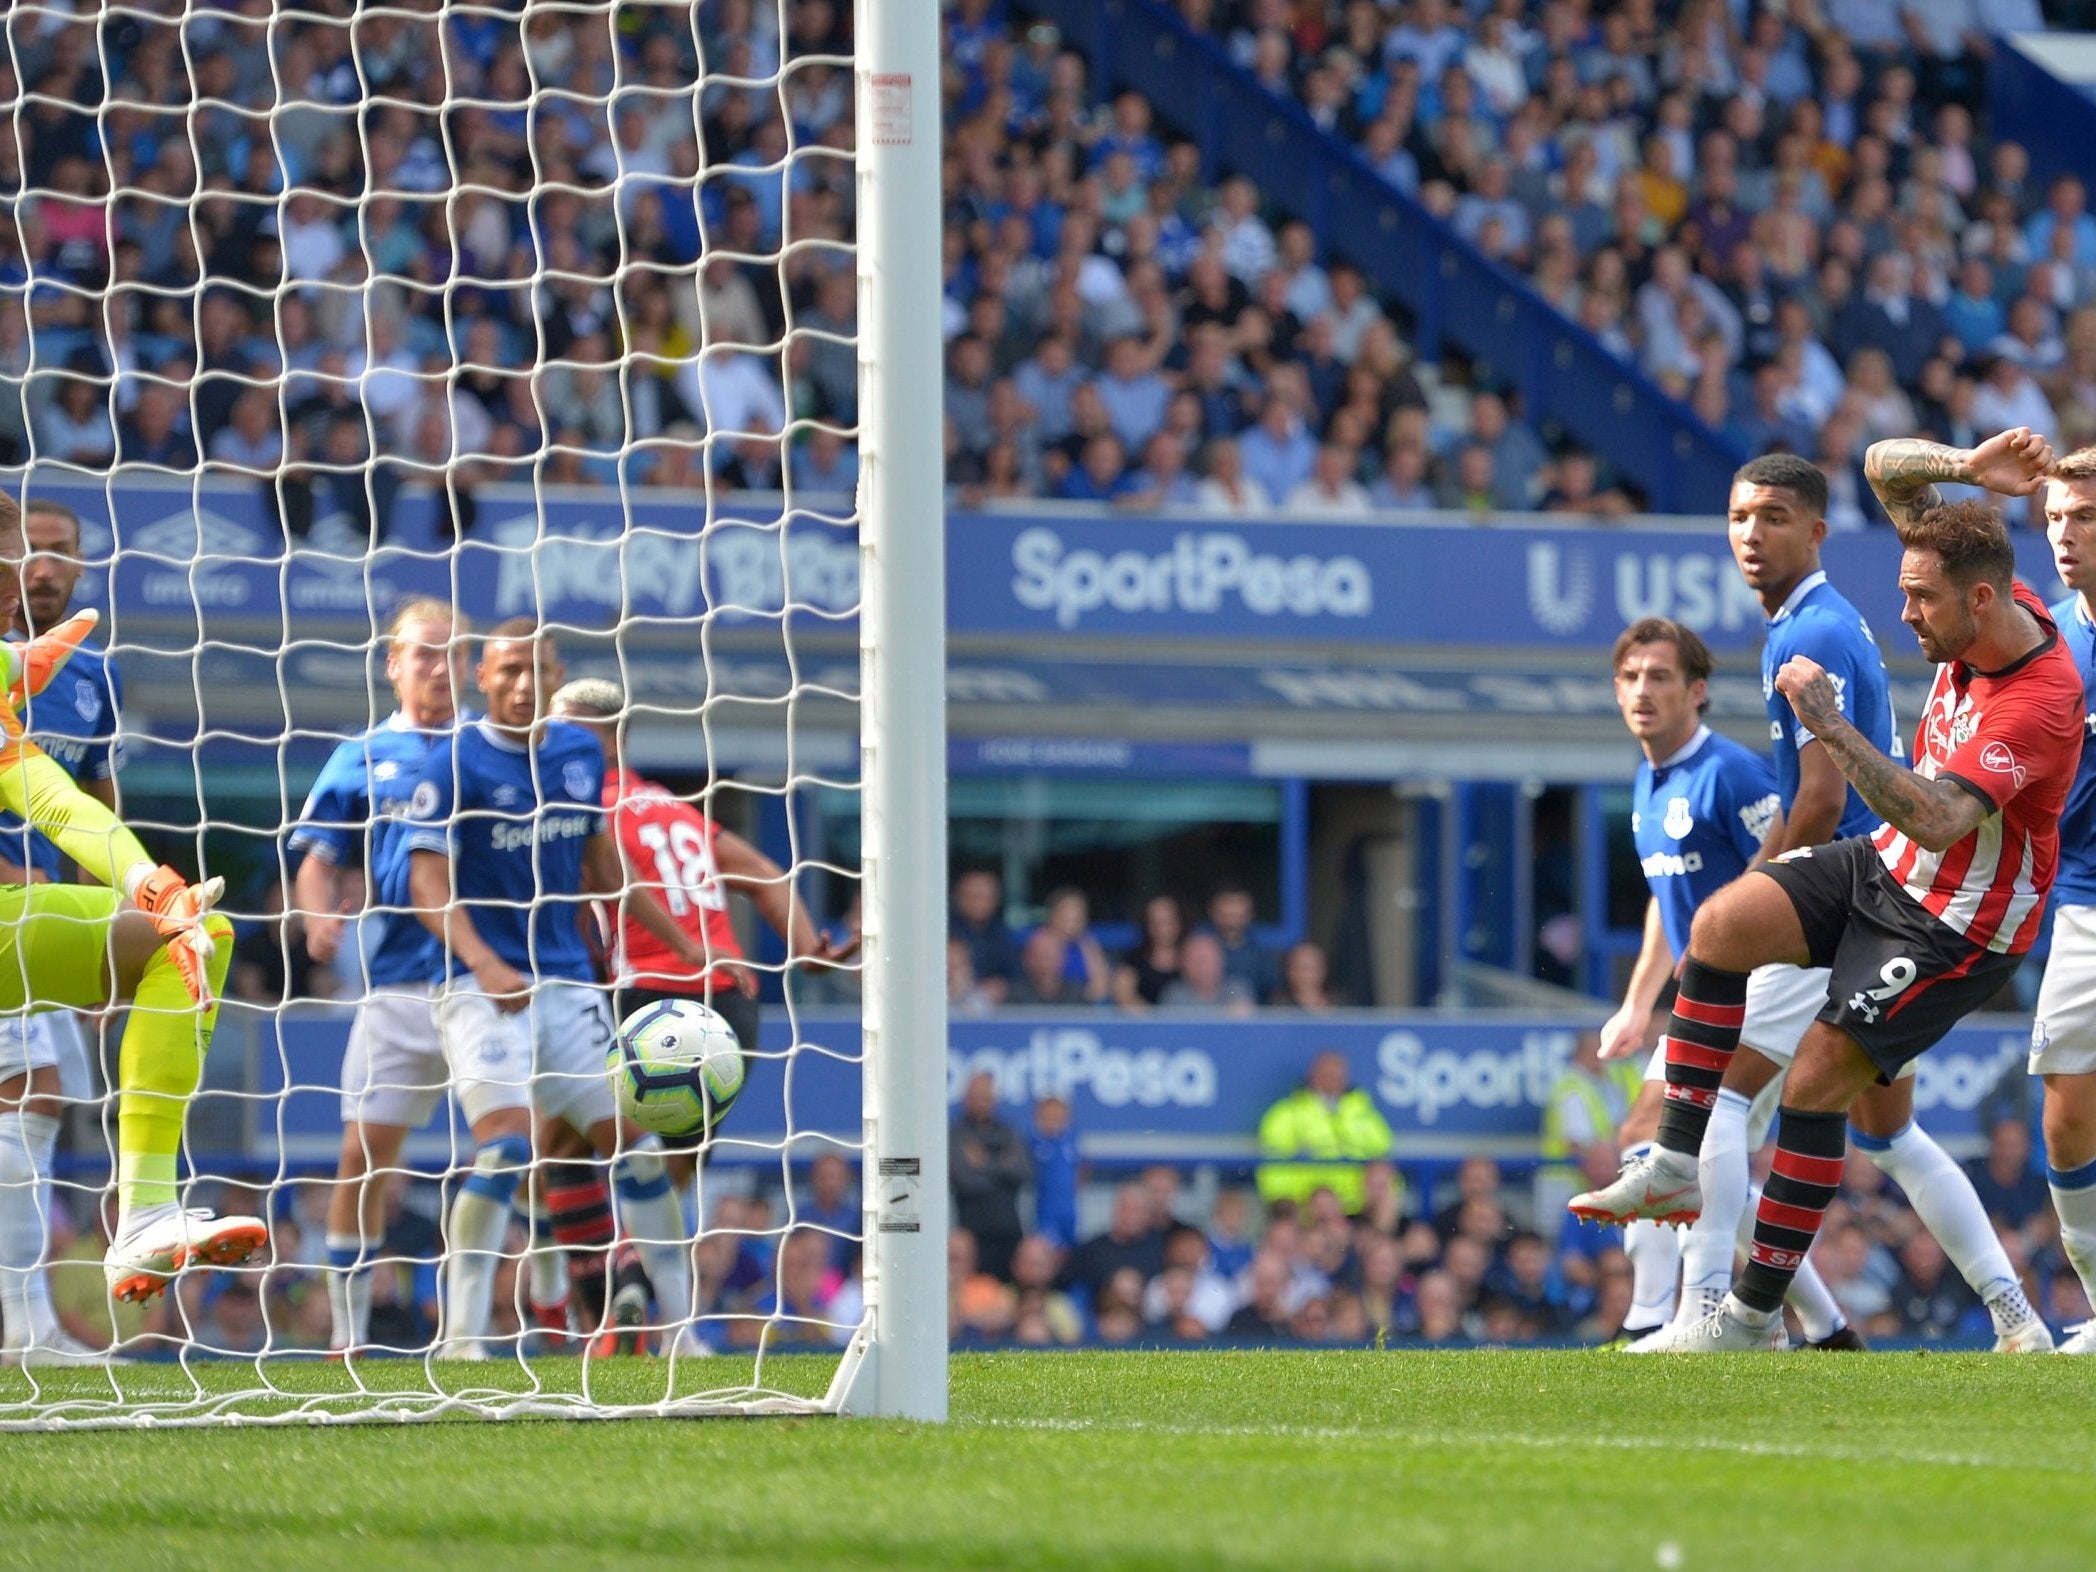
column 342, row 348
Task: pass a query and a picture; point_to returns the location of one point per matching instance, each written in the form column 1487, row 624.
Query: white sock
column 1708, row 1248
column 2074, row 1199
column 26, row 1143
column 1655, row 1267
column 349, row 1290
column 1948, row 1206
column 472, row 1250
column 547, row 1262
column 651, row 1215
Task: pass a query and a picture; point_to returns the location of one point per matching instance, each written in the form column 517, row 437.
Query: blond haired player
column 395, row 1072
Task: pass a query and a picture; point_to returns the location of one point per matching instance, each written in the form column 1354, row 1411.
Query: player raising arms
column 75, row 722
column 1776, row 523
column 2063, row 1035
column 394, row 1073
column 1701, row 811
column 507, row 845
column 142, row 935
column 1922, row 922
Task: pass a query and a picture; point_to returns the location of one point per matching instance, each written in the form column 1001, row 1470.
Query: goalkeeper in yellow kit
column 146, row 938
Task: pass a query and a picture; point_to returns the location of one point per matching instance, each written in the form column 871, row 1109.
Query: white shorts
column 1782, row 1002
column 397, row 1068
column 45, row 1039
column 549, row 1054
column 2063, row 1027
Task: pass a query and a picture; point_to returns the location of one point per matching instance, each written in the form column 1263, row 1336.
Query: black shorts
column 1901, row 979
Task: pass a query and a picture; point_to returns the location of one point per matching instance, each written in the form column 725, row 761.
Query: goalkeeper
column 145, row 937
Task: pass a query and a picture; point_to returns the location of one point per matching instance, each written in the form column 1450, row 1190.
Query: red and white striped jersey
column 667, row 845
column 2013, row 739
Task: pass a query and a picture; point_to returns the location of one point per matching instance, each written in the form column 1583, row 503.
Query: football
column 676, row 1068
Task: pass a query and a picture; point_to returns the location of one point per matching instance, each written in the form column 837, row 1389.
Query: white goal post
column 246, row 592
column 903, row 658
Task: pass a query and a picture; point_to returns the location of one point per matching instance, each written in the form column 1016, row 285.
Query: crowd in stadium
column 1792, row 221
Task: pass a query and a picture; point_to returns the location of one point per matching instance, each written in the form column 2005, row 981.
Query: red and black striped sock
column 1701, row 1038
column 1807, row 1172
column 580, row 1203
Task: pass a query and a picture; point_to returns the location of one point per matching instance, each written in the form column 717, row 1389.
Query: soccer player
column 1702, row 809
column 1923, row 921
column 1776, row 522
column 690, row 864
column 2063, row 1035
column 74, row 721
column 506, row 846
column 144, row 936
column 395, row 1071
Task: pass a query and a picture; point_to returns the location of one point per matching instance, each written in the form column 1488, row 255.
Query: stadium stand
column 1793, row 227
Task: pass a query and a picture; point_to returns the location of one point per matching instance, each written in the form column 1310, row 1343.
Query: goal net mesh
column 540, row 310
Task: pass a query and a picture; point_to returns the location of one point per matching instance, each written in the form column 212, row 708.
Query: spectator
column 1931, row 1301
column 1042, row 1315
column 1152, row 964
column 990, row 1166
column 1226, row 488
column 800, row 1305
column 1319, row 1136
column 2010, row 1186
column 1084, row 962
column 1204, row 981
column 152, row 433
column 1129, row 1242
column 1586, row 1104
column 270, row 963
column 1265, row 1315
column 965, row 994
column 73, row 428
column 1278, row 454
column 831, row 1207
column 977, row 920
column 1331, row 490
column 1305, row 981
column 1230, row 918
column 1044, row 978
column 1057, row 1169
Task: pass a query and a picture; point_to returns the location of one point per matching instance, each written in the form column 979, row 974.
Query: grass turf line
column 1285, row 1460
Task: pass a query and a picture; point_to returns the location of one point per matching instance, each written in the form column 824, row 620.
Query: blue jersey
column 514, row 821
column 1698, row 818
column 74, row 720
column 2076, row 882
column 357, row 812
column 1818, row 622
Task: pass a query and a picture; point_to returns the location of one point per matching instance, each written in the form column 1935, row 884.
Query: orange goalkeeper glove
column 31, row 666
column 178, row 909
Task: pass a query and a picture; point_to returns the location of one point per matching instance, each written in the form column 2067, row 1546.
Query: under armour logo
column 1862, row 1004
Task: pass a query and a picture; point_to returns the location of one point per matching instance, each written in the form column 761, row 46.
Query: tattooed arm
column 1904, row 471
column 1933, row 814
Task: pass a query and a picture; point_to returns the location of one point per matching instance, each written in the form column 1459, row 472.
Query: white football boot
column 2018, row 1329
column 61, row 1351
column 1726, row 1330
column 1700, row 1307
column 2079, row 1340
column 160, row 1244
column 1659, row 1184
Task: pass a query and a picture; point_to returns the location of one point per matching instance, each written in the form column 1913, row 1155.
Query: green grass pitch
column 1301, row 1461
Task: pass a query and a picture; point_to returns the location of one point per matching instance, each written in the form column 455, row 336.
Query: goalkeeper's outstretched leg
column 81, row 947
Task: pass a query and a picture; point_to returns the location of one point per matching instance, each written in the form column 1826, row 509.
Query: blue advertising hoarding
column 1143, row 1088
column 579, row 559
